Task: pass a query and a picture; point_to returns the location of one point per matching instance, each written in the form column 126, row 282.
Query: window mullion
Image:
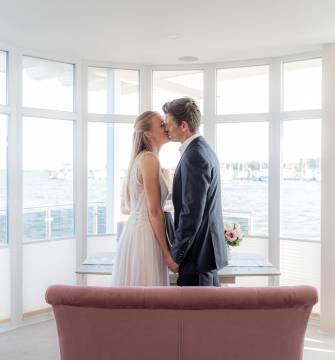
column 209, row 105
column 15, row 216
column 80, row 167
column 274, row 166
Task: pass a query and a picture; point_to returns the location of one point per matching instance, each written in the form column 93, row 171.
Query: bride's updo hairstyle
column 140, row 143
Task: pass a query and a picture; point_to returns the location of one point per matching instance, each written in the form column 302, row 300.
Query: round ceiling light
column 188, row 58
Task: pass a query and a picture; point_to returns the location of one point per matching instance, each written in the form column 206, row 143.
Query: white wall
column 328, row 192
column 44, row 264
column 4, row 283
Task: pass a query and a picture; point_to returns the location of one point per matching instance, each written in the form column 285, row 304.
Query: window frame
column 80, row 118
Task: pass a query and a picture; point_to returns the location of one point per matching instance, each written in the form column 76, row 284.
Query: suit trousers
column 209, row 278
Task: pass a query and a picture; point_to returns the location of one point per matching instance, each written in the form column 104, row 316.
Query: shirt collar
column 187, row 142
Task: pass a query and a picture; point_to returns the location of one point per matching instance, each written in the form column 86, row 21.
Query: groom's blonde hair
column 140, row 143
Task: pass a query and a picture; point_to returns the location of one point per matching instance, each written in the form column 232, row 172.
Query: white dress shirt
column 187, row 142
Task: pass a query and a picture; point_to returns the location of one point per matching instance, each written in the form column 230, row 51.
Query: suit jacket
column 199, row 244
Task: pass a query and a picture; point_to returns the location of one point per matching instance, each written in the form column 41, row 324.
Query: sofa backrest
column 184, row 323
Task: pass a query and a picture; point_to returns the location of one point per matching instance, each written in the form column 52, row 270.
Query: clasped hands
column 171, row 264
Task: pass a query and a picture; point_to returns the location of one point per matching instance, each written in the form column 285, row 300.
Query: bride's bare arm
column 150, row 177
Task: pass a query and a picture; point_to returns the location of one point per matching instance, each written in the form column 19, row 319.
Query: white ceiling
column 136, row 31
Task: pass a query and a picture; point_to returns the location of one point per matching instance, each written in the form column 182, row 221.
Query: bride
column 143, row 255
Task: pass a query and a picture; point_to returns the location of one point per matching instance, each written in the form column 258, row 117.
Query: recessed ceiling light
column 173, row 36
column 188, row 58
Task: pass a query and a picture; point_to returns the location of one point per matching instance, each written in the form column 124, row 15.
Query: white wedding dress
column 139, row 259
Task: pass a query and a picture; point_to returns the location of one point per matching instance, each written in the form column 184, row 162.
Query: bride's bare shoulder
column 149, row 160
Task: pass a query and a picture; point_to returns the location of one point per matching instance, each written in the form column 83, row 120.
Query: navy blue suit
column 199, row 246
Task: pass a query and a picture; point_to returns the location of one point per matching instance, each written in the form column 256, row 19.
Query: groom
column 199, row 247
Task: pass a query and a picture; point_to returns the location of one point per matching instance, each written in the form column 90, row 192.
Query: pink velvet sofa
column 176, row 323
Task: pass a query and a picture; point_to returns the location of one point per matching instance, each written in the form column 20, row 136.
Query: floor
column 39, row 342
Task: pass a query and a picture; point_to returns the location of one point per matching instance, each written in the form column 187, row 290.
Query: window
column 47, row 84
column 47, row 179
column 3, row 179
column 109, row 150
column 3, row 77
column 243, row 90
column 113, row 91
column 169, row 85
column 302, row 85
column 243, row 154
column 301, row 175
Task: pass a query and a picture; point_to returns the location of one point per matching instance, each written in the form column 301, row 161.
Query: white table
column 240, row 264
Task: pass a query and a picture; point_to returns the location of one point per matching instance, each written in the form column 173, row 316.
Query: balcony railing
column 57, row 221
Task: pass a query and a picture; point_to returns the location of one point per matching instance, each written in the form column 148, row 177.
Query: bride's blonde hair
column 140, row 143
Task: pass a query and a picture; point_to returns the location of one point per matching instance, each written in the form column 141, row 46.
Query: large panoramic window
column 302, row 84
column 301, row 179
column 243, row 154
column 47, row 84
column 3, row 179
column 3, row 77
column 109, row 149
column 47, row 179
column 174, row 84
column 113, row 91
column 243, row 90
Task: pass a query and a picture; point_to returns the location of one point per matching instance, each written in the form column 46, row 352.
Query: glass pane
column 3, row 77
column 109, row 149
column 243, row 90
column 3, row 179
column 113, row 91
column 302, row 85
column 243, row 154
column 170, row 85
column 301, row 185
column 47, row 179
column 47, row 84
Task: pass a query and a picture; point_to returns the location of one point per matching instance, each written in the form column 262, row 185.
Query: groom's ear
column 184, row 126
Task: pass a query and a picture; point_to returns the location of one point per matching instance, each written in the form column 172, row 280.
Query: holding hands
column 171, row 264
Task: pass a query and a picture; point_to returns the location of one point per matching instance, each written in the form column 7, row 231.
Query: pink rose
column 231, row 235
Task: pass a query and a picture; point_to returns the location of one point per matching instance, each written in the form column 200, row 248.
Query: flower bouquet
column 233, row 234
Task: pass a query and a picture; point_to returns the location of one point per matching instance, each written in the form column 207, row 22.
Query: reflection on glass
column 243, row 154
column 3, row 77
column 3, row 179
column 301, row 186
column 113, row 91
column 170, row 85
column 47, row 84
column 109, row 150
column 47, row 179
column 243, row 90
column 302, row 85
